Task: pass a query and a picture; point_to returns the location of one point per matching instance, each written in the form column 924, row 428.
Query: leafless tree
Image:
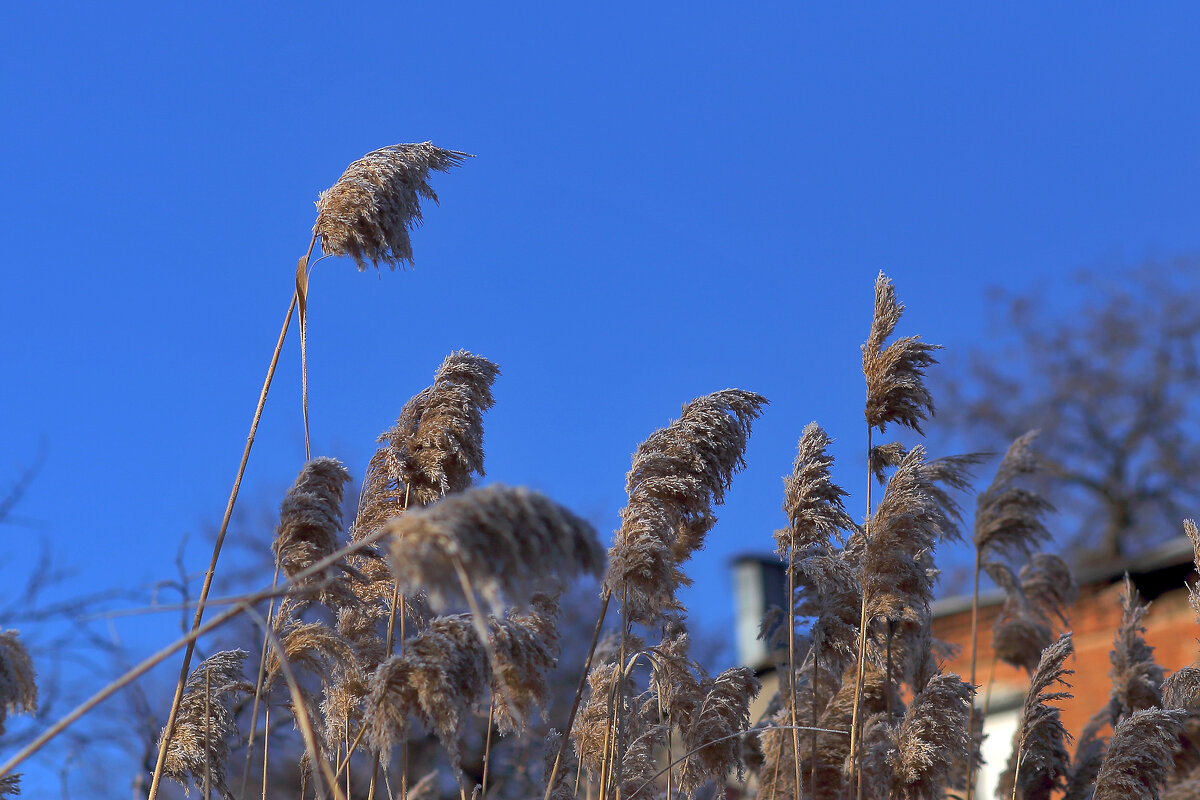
column 1106, row 366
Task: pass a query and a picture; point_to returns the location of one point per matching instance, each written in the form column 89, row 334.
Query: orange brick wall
column 1171, row 630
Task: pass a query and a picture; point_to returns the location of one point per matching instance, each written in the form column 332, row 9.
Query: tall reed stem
column 974, row 689
column 258, row 682
column 212, row 567
column 862, row 630
column 792, row 655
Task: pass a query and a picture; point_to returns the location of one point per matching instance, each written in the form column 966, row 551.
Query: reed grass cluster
column 414, row 639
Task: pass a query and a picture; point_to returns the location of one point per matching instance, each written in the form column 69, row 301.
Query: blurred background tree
column 1106, row 366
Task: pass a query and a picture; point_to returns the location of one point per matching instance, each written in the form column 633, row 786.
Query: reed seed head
column 812, row 501
column 200, row 739
column 896, row 374
column 1009, row 519
column 1140, row 755
column 510, row 543
column 18, row 681
column 369, row 212
column 679, row 473
column 310, row 519
column 1136, row 678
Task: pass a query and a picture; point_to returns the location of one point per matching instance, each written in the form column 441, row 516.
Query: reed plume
column 511, row 543
column 1182, row 689
column 724, row 711
column 914, row 514
column 1136, row 678
column 930, row 739
column 441, row 678
column 1189, row 527
column 1009, row 518
column 895, row 375
column 812, row 501
column 10, row 785
column 526, row 645
column 1139, row 758
column 18, row 681
column 1039, row 762
column 436, row 446
column 1032, row 606
column 369, row 212
column 679, row 473
column 199, row 743
column 310, row 519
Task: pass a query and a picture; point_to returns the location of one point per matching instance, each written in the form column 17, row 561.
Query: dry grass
column 437, row 611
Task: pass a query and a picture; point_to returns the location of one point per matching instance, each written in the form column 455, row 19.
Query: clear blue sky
column 666, row 200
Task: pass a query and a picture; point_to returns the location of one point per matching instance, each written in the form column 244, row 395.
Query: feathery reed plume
column 310, row 519
column 527, row 649
column 679, row 473
column 1139, row 758
column 896, row 374
column 1187, row 789
column 199, row 744
column 1136, row 678
column 673, row 678
column 816, row 514
column 369, row 212
column 18, row 681
column 1040, row 761
column 812, row 501
column 510, row 542
column 312, row 645
column 1033, row 605
column 10, row 785
column 1182, row 689
column 440, row 678
column 1008, row 517
column 930, row 739
column 830, row 594
column 884, row 457
column 436, row 445
column 1189, row 527
column 591, row 732
column 1008, row 522
column 725, row 710
column 1050, row 587
column 914, row 513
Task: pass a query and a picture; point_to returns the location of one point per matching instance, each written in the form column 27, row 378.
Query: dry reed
column 678, row 474
column 18, row 681
column 511, row 543
column 199, row 744
column 369, row 212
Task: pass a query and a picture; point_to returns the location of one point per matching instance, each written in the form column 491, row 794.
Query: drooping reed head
column 1193, row 533
column 1009, row 518
column 724, row 711
column 930, row 739
column 18, row 681
column 310, row 518
column 895, row 374
column 509, row 542
column 199, row 743
column 812, row 501
column 526, row 645
column 679, row 473
column 1140, row 755
column 440, row 679
column 369, row 212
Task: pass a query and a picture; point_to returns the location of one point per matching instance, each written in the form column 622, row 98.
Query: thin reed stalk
column 212, row 567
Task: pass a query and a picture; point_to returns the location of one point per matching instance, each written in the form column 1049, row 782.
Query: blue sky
column 665, row 201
